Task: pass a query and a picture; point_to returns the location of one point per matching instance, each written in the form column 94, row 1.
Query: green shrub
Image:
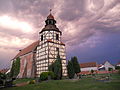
column 5, row 80
column 31, row 82
column 51, row 74
column 110, row 69
column 117, row 67
column 3, row 76
column 45, row 75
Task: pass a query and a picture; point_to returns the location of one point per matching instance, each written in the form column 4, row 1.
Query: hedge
column 45, row 75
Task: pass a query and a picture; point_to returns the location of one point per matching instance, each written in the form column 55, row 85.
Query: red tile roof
column 99, row 65
column 49, row 40
column 28, row 49
column 50, row 16
column 96, row 72
column 102, row 72
column 50, row 27
column 86, row 72
column 61, row 43
column 89, row 64
column 118, row 63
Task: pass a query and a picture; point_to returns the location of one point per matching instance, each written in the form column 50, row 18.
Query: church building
column 37, row 57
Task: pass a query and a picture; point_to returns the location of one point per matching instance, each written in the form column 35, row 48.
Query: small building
column 88, row 66
column 106, row 66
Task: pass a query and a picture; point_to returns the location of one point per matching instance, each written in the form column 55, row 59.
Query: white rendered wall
column 107, row 65
column 89, row 68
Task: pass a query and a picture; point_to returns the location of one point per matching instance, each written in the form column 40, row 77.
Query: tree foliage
column 70, row 70
column 92, row 71
column 73, row 67
column 15, row 68
column 2, row 79
column 3, row 76
column 5, row 80
column 56, row 67
column 117, row 67
column 110, row 69
column 76, row 65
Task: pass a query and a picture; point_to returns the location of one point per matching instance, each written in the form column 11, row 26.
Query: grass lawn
column 83, row 84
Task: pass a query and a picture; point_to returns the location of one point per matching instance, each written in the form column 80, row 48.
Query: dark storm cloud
column 108, row 49
column 34, row 6
column 104, row 28
column 32, row 10
column 90, row 27
column 72, row 9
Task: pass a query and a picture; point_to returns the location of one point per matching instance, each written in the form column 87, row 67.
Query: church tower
column 50, row 46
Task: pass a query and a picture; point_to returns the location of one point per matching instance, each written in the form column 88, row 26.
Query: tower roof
column 88, row 64
column 50, row 16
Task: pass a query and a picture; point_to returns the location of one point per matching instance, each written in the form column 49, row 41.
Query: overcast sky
column 91, row 28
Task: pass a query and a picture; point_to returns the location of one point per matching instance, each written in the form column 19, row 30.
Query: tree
column 15, row 68
column 2, row 79
column 76, row 65
column 70, row 70
column 92, row 71
column 117, row 67
column 56, row 67
column 12, row 71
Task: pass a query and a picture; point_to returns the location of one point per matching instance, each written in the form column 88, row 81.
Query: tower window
column 51, row 22
column 41, row 37
column 57, row 36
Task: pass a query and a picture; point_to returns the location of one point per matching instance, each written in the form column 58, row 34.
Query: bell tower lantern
column 50, row 20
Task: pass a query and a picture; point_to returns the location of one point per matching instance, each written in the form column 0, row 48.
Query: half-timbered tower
column 50, row 46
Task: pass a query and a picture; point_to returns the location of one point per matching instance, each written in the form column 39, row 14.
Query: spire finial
column 50, row 11
column 50, row 16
